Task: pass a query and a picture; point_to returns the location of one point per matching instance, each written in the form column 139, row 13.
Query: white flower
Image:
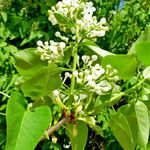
column 62, row 45
column 57, row 34
column 103, row 20
column 67, row 75
column 56, row 93
column 75, row 73
column 91, row 84
column 101, row 33
column 39, row 43
column 88, row 78
column 94, row 57
column 52, row 51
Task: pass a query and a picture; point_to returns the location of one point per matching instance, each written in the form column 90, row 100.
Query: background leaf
column 28, row 62
column 25, row 127
column 44, row 81
column 91, row 45
column 78, row 135
column 143, row 52
column 145, row 36
column 134, row 116
column 125, row 64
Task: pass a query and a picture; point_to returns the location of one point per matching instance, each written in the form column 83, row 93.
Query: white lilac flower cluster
column 92, row 76
column 84, row 23
column 50, row 51
column 96, row 78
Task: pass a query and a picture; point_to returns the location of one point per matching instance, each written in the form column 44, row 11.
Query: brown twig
column 55, row 127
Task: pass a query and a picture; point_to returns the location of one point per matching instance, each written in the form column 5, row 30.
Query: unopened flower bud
column 62, row 45
column 39, row 43
column 57, row 34
column 103, row 20
column 75, row 73
column 94, row 57
column 56, row 93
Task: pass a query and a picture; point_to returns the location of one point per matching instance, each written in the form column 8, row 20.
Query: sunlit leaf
column 125, row 64
column 25, row 127
column 143, row 52
column 78, row 135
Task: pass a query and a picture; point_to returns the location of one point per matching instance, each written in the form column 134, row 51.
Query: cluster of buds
column 94, row 77
column 51, row 51
column 84, row 23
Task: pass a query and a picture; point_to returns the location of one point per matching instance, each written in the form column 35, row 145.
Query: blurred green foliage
column 125, row 22
column 23, row 22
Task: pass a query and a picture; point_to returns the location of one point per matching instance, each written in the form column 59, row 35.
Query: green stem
column 60, row 103
column 5, row 94
column 75, row 50
column 134, row 87
column 116, row 98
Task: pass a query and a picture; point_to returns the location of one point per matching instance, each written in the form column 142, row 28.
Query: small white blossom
column 94, row 57
column 39, row 43
column 89, row 77
column 75, row 73
column 56, row 93
column 103, row 20
column 57, row 34
column 67, row 75
column 62, row 45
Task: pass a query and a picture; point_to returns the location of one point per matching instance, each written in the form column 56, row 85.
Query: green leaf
column 125, row 64
column 28, row 62
column 143, row 52
column 95, row 48
column 122, row 131
column 146, row 73
column 63, row 20
column 145, row 36
column 138, row 119
column 78, row 135
column 43, row 82
column 39, row 78
column 91, row 122
column 4, row 16
column 33, row 35
column 2, row 43
column 134, row 122
column 25, row 127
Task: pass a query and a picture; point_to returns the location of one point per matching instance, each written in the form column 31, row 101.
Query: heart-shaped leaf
column 25, row 127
